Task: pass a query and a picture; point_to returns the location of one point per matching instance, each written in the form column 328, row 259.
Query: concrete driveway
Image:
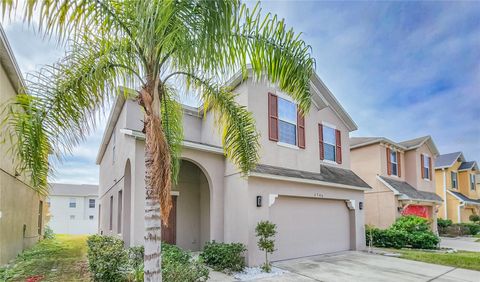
column 461, row 243
column 360, row 266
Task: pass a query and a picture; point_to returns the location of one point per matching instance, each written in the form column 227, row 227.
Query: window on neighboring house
column 426, row 167
column 72, row 217
column 91, row 203
column 454, row 180
column 72, row 203
column 91, row 217
column 472, row 182
column 287, row 122
column 329, row 143
column 393, row 162
column 111, row 213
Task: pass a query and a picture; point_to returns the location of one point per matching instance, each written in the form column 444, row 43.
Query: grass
column 477, row 236
column 60, row 259
column 461, row 259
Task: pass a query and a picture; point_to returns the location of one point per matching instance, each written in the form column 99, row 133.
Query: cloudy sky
column 401, row 70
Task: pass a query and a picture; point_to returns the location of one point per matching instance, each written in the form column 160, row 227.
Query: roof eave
column 10, row 63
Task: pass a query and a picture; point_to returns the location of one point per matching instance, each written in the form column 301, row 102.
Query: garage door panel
column 307, row 227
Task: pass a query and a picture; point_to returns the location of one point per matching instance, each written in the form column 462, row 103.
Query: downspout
column 445, row 193
column 459, row 215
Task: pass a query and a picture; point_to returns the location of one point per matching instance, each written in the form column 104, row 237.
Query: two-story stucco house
column 401, row 176
column 18, row 230
column 303, row 182
column 73, row 208
column 456, row 182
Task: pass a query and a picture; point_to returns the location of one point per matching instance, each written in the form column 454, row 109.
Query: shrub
column 107, row 258
column 266, row 230
column 411, row 223
column 473, row 228
column 48, row 233
column 387, row 238
column 474, row 218
column 444, row 223
column 178, row 265
column 224, row 257
column 423, row 240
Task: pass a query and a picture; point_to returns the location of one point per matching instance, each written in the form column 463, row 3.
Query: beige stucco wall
column 19, row 204
column 414, row 173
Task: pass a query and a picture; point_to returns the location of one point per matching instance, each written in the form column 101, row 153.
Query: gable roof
column 468, row 165
column 9, row 63
column 464, row 198
column 407, row 191
column 357, row 142
column 327, row 174
column 81, row 190
column 447, row 160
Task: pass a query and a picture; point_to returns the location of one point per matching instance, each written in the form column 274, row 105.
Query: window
column 426, row 167
column 72, row 217
column 472, row 182
column 394, row 162
column 91, row 217
column 113, row 146
column 111, row 213
column 91, row 203
column 72, row 203
column 454, row 180
column 119, row 212
column 329, row 143
column 287, row 121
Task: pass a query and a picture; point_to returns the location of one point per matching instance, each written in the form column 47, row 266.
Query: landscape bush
column 265, row 231
column 48, row 233
column 475, row 218
column 109, row 261
column 226, row 257
column 443, row 223
column 407, row 231
column 459, row 229
column 107, row 258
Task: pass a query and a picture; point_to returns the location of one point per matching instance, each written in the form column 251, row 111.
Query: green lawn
column 59, row 259
column 461, row 259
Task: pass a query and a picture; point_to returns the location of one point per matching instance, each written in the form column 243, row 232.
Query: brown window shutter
column 338, row 139
column 272, row 117
column 399, row 164
column 389, row 162
column 300, row 130
column 320, row 139
column 421, row 166
column 430, row 167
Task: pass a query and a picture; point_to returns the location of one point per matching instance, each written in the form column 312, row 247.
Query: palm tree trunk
column 153, row 233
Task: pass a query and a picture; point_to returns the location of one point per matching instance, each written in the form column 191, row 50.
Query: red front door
column 169, row 232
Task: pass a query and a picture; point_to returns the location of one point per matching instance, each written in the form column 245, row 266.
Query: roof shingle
column 409, row 191
column 83, row 190
column 465, row 198
column 447, row 160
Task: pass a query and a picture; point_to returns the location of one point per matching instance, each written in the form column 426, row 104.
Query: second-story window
column 426, row 167
column 91, row 203
column 287, row 122
column 394, row 162
column 329, row 143
column 72, row 203
column 472, row 182
column 454, row 180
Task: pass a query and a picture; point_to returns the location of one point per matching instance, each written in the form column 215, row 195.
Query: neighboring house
column 22, row 210
column 73, row 208
column 303, row 182
column 401, row 176
column 457, row 183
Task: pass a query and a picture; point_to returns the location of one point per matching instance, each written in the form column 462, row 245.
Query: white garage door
column 307, row 227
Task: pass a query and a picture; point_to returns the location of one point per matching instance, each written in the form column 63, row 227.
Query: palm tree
column 160, row 48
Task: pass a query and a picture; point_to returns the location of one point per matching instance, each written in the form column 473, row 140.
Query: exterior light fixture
column 259, row 201
column 360, row 205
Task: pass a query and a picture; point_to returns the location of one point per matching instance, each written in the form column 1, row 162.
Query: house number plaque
column 318, row 195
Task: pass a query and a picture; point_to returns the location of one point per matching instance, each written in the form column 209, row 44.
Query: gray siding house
column 303, row 182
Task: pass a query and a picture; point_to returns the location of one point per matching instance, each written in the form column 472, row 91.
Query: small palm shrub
column 226, row 257
column 266, row 230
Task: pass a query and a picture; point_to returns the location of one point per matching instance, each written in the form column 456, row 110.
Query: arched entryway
column 189, row 224
column 127, row 200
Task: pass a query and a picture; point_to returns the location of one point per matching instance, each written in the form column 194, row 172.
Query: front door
column 169, row 233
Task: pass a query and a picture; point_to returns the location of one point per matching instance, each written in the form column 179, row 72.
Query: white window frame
column 393, row 152
column 72, row 201
column 472, row 182
column 329, row 125
column 426, row 165
column 456, row 180
column 288, row 99
column 94, row 203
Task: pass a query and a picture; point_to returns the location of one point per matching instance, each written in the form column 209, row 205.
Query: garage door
column 307, row 227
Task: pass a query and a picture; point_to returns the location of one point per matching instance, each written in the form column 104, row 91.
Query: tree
column 266, row 230
column 158, row 47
